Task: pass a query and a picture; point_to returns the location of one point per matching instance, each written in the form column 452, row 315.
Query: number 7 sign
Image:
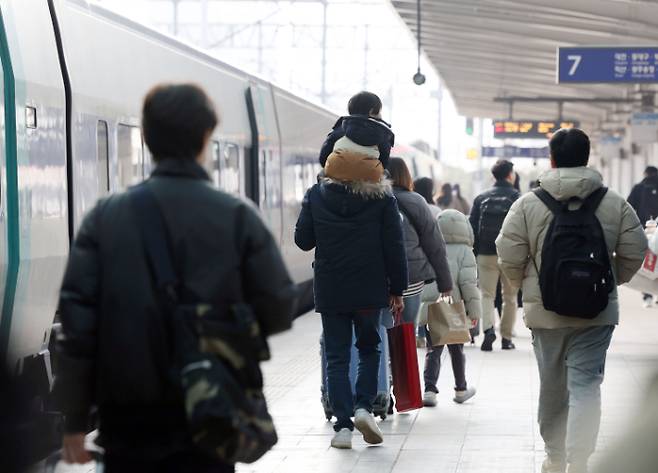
column 575, row 58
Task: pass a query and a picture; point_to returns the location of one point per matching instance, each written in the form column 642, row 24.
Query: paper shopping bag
column 448, row 323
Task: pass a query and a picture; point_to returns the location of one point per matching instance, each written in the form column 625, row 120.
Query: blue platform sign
column 636, row 65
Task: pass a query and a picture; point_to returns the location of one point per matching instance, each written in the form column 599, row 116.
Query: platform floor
column 494, row 432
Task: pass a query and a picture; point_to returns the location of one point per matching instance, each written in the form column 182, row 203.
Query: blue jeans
column 571, row 366
column 337, row 328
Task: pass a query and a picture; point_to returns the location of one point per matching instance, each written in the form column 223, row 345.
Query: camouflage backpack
column 215, row 355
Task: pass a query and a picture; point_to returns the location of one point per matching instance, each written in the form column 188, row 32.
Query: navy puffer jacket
column 356, row 231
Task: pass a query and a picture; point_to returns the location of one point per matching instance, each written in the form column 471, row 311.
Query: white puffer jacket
column 458, row 235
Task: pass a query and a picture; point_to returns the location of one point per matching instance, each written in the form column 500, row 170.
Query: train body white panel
column 95, row 42
column 35, row 231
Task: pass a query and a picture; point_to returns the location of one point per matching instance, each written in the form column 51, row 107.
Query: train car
column 73, row 79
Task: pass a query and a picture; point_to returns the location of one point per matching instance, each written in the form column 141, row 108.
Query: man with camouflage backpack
column 489, row 211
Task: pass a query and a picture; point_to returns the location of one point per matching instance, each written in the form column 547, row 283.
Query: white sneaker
column 342, row 439
column 549, row 466
column 429, row 399
column 365, row 423
column 648, row 303
column 463, row 396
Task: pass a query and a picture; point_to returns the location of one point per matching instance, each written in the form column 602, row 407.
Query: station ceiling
column 485, row 49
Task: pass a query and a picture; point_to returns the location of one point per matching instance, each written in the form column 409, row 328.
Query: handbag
column 215, row 356
column 448, row 323
column 404, row 366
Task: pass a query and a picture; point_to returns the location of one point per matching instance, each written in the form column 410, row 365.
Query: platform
column 494, row 432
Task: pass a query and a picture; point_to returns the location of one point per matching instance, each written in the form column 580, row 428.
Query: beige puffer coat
column 522, row 237
column 458, row 235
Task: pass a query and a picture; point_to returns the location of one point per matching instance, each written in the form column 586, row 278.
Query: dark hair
column 534, row 184
column 502, row 169
column 517, row 182
column 176, row 120
column 400, row 174
column 458, row 190
column 651, row 171
column 425, row 187
column 445, row 198
column 569, row 148
column 364, row 103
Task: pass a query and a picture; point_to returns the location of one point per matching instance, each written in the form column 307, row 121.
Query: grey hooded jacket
column 426, row 250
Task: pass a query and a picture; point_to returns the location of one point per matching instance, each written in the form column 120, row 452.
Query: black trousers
column 433, row 365
column 185, row 462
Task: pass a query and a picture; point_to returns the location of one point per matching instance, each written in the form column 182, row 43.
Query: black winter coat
column 113, row 351
column 359, row 247
column 502, row 188
column 644, row 199
column 363, row 130
column 424, row 244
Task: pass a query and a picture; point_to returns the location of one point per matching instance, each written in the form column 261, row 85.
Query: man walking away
column 489, row 211
column 644, row 199
column 115, row 352
column 570, row 243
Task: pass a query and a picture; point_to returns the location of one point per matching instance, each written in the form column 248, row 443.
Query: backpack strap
column 155, row 239
column 553, row 205
column 593, row 200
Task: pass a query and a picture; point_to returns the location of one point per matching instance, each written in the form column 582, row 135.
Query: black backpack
column 575, row 277
column 493, row 211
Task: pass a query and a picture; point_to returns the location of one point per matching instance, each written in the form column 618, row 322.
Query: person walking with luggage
column 115, row 351
column 458, row 235
column 487, row 216
column 570, row 243
column 425, row 248
column 644, row 199
column 351, row 219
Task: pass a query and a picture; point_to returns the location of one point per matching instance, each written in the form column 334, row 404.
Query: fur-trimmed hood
column 364, row 189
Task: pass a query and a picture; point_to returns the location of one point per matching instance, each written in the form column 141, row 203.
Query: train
column 74, row 75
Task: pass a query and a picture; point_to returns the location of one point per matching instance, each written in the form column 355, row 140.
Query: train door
column 265, row 157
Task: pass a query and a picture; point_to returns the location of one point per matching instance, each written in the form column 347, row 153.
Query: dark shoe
column 489, row 338
column 508, row 344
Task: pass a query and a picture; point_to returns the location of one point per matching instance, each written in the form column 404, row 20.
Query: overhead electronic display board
column 530, row 128
column 608, row 65
column 508, row 152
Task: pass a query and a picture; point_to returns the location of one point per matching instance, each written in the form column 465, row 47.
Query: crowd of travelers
column 195, row 287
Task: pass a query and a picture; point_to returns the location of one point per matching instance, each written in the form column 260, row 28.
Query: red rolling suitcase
column 404, row 367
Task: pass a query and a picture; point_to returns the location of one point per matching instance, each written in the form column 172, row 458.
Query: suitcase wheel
column 382, row 416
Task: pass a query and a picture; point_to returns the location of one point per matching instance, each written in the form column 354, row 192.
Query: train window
column 230, row 168
column 102, row 155
column 130, row 155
